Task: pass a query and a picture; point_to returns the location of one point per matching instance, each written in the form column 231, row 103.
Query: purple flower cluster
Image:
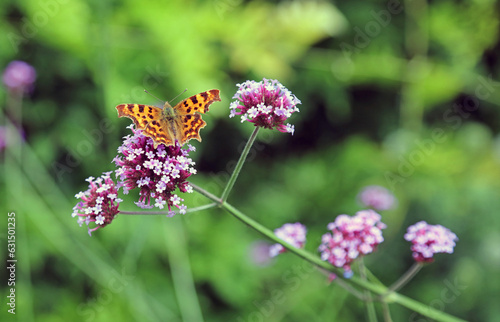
column 351, row 237
column 377, row 197
column 157, row 172
column 294, row 234
column 428, row 240
column 19, row 76
column 99, row 203
column 266, row 103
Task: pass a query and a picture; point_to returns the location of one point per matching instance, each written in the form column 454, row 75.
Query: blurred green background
column 402, row 94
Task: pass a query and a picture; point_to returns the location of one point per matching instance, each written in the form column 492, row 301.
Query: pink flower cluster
column 99, row 203
column 428, row 240
column 377, row 197
column 294, row 234
column 351, row 237
column 157, row 172
column 266, row 103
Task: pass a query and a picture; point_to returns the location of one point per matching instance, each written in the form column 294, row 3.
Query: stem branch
column 195, row 209
column 414, row 269
column 239, row 165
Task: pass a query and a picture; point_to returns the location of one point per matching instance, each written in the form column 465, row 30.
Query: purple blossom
column 266, row 103
column 98, row 204
column 19, row 76
column 351, row 237
column 377, row 197
column 157, row 172
column 294, row 234
column 428, row 240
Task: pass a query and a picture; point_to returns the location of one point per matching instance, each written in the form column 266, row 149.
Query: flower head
column 377, row 197
column 294, row 234
column 157, row 172
column 99, row 204
column 428, row 240
column 351, row 237
column 19, row 76
column 266, row 103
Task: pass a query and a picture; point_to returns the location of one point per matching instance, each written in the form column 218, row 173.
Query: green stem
column 414, row 269
column 348, row 287
column 239, row 165
column 389, row 297
column 207, row 194
column 387, row 312
column 370, row 308
column 190, row 210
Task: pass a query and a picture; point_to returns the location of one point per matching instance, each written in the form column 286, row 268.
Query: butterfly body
column 168, row 111
column 170, row 124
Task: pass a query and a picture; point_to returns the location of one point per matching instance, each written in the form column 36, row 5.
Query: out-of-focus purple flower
column 294, row 234
column 99, row 203
column 266, row 103
column 19, row 76
column 428, row 240
column 259, row 253
column 157, row 172
column 351, row 237
column 377, row 197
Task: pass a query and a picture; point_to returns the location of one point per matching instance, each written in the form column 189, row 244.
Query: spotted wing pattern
column 179, row 123
column 140, row 114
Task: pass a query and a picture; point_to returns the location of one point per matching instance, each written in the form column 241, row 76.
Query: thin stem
column 207, row 194
column 341, row 283
column 239, row 165
column 189, row 210
column 387, row 312
column 370, row 308
column 414, row 269
column 349, row 288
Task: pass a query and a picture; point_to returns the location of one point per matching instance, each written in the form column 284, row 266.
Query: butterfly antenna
column 178, row 95
column 162, row 102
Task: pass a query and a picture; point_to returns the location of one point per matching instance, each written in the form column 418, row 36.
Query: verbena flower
column 19, row 76
column 266, row 103
column 428, row 240
column 351, row 237
column 99, row 204
column 294, row 234
column 157, row 172
column 377, row 197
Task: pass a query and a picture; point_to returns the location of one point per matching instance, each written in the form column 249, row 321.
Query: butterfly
column 170, row 124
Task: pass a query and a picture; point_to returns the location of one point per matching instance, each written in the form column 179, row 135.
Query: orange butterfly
column 169, row 124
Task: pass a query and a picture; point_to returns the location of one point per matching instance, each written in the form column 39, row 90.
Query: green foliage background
column 400, row 94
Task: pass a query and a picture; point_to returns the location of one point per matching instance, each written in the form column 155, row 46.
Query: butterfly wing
column 198, row 103
column 139, row 113
column 191, row 126
column 149, row 119
column 188, row 109
column 161, row 132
